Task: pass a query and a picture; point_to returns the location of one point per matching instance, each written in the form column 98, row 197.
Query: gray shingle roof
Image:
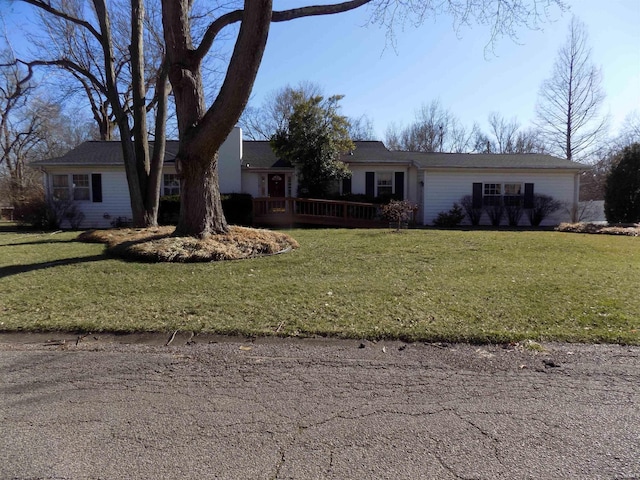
column 258, row 154
column 478, row 160
column 97, row 152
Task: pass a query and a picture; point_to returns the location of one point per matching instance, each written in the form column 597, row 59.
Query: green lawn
column 434, row 285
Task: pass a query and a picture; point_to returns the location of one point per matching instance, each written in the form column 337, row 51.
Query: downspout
column 576, row 197
column 45, row 181
column 420, row 191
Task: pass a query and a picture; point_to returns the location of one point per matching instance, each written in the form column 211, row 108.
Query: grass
column 431, row 285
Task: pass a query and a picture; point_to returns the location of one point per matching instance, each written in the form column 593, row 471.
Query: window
column 508, row 194
column 384, row 183
column 60, row 185
column 492, row 193
column 171, row 184
column 512, row 194
column 81, row 190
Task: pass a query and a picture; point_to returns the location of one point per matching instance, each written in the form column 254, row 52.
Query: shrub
column 474, row 214
column 398, row 212
column 44, row 214
column 543, row 206
column 495, row 214
column 237, row 208
column 449, row 219
column 622, row 188
column 169, row 210
column 514, row 214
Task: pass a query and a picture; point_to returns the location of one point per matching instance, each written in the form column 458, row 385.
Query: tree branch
column 316, row 10
column 280, row 16
column 215, row 28
column 68, row 65
column 65, row 16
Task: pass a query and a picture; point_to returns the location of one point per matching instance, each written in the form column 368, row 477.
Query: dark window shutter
column 370, row 184
column 528, row 195
column 96, row 187
column 346, row 186
column 477, row 195
column 399, row 181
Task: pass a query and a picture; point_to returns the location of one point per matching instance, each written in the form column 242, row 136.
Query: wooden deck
column 281, row 212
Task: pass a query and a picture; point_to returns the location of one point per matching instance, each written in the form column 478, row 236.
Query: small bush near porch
column 431, row 285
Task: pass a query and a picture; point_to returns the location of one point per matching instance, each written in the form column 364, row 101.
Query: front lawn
column 432, row 285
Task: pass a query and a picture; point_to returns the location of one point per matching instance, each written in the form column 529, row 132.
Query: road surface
column 104, row 407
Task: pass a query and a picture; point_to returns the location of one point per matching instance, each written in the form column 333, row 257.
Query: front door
column 276, row 185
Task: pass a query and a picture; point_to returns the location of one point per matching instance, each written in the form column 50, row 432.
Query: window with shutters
column 384, row 183
column 75, row 186
column 492, row 194
column 508, row 194
column 81, row 187
column 512, row 194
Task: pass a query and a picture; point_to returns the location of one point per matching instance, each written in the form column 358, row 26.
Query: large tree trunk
column 203, row 131
column 200, row 205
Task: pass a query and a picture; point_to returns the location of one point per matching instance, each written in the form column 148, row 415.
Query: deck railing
column 289, row 211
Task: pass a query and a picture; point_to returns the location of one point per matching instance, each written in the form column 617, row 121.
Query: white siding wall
column 358, row 178
column 229, row 163
column 251, row 182
column 443, row 188
column 115, row 197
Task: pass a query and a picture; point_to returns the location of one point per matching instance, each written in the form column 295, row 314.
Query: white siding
column 251, row 183
column 358, row 178
column 229, row 163
column 115, row 196
column 443, row 188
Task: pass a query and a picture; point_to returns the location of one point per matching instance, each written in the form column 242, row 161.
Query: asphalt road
column 305, row 409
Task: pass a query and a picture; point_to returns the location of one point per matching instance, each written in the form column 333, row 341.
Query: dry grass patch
column 158, row 245
column 629, row 230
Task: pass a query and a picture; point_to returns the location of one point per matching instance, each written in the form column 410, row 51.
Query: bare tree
column 20, row 125
column 31, row 127
column 568, row 109
column 506, row 136
column 630, row 131
column 435, row 129
column 361, row 128
column 461, row 139
column 261, row 123
column 108, row 60
column 504, row 131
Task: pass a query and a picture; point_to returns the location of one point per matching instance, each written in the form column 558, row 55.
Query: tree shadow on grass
column 37, row 242
column 17, row 269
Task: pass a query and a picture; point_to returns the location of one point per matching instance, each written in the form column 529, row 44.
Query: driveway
column 104, row 407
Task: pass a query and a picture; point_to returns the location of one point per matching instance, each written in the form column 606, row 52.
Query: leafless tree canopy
column 568, row 109
column 507, row 136
column 32, row 127
column 361, row 128
column 435, row 129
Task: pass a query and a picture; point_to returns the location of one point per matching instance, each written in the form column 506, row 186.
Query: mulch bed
column 158, row 244
column 632, row 230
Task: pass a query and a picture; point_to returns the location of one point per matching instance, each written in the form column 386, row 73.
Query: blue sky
column 434, row 61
